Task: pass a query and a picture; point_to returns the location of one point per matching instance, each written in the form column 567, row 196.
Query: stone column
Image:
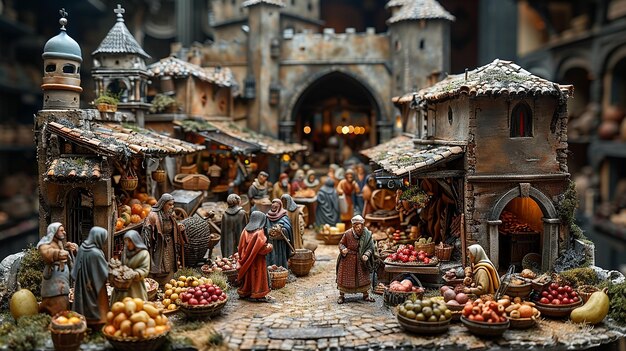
column 550, row 248
column 494, row 241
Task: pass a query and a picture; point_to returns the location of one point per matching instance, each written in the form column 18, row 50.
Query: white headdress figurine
column 357, row 219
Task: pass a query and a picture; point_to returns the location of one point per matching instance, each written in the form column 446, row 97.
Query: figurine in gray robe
column 327, row 211
column 233, row 222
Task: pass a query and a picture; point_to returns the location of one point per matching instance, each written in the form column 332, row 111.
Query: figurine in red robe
column 253, row 247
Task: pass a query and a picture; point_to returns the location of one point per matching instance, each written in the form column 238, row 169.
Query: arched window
column 521, row 121
column 51, row 67
column 69, row 68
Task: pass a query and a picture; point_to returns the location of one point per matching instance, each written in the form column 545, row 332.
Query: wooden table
column 429, row 275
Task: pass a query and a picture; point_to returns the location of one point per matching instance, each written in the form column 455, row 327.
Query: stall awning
column 266, row 143
column 74, row 168
column 400, row 155
column 235, row 144
column 110, row 139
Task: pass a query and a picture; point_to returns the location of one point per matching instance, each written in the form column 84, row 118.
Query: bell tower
column 61, row 79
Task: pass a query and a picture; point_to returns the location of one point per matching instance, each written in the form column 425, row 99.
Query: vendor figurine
column 233, row 222
column 298, row 182
column 281, row 187
column 296, row 217
column 485, row 275
column 355, row 261
column 349, row 188
column 136, row 257
column 253, row 246
column 259, row 189
column 90, row 274
column 58, row 255
column 236, row 175
column 311, row 181
column 280, row 233
column 327, row 211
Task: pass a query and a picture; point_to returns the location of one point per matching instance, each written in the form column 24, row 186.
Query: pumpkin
column 136, row 209
column 135, row 219
column 594, row 311
column 23, row 303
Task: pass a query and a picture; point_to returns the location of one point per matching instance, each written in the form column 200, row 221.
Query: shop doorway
column 79, row 215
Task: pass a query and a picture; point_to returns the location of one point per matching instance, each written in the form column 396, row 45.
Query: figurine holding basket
column 280, row 235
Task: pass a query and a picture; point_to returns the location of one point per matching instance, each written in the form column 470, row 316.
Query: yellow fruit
column 139, row 329
column 181, row 284
column 168, row 286
column 75, row 320
column 62, row 320
column 171, row 307
column 195, row 283
column 152, row 311
column 594, row 311
column 168, row 292
column 167, row 302
column 109, row 330
column 139, row 302
column 118, row 307
column 126, row 299
column 131, row 307
column 151, row 323
column 177, row 291
column 138, row 317
column 174, row 297
column 173, row 282
column 182, row 278
column 125, row 327
column 110, row 316
column 23, row 303
column 160, row 329
column 117, row 321
column 150, row 331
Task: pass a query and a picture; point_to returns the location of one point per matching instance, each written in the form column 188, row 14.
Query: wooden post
column 463, row 241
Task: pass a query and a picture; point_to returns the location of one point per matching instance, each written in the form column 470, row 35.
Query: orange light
column 345, row 130
column 307, row 130
column 350, row 129
column 338, row 129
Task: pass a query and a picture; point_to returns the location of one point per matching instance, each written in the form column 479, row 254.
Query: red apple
column 218, row 291
column 214, row 298
column 426, row 260
column 554, row 286
column 566, row 301
column 574, row 299
column 203, row 302
column 222, row 297
column 544, row 300
column 556, row 302
column 193, row 301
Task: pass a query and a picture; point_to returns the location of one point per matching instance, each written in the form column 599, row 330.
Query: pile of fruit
column 134, row 211
column 555, row 294
column 408, row 254
column 405, row 285
column 135, row 318
column 519, row 309
column 175, row 288
column 204, row 294
column 68, row 318
column 425, row 310
column 276, row 269
column 453, row 298
column 454, row 273
column 399, row 236
column 485, row 311
column 221, row 264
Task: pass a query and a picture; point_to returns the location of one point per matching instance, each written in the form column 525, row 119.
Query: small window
column 78, row 69
column 310, row 6
column 422, row 44
column 450, row 115
column 69, row 68
column 51, row 68
column 293, row 2
column 521, row 121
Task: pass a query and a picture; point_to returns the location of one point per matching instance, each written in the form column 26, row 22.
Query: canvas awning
column 401, row 155
column 74, row 168
column 110, row 139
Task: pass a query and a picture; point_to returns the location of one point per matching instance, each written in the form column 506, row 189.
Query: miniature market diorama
column 463, row 231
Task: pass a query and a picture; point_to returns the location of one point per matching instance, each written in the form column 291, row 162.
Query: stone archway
column 381, row 128
column 551, row 222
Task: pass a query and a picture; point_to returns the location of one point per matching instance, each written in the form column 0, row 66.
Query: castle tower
column 61, row 80
column 419, row 31
column 120, row 68
column 263, row 67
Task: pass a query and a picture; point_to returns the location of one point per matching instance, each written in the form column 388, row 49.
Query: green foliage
column 566, row 208
column 580, row 276
column 162, row 102
column 416, row 196
column 31, row 271
column 107, row 97
column 617, row 305
column 214, row 339
column 570, row 259
column 219, row 279
column 188, row 272
column 30, row 333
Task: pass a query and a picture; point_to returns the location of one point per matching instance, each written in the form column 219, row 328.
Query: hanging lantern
column 275, row 48
column 249, row 90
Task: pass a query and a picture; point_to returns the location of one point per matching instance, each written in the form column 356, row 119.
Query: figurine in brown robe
column 90, row 276
column 296, row 217
column 58, row 257
column 253, row 247
column 348, row 187
column 233, row 222
column 355, row 261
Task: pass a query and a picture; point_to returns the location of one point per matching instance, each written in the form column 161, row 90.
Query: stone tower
column 61, row 80
column 263, row 30
column 120, row 67
column 419, row 31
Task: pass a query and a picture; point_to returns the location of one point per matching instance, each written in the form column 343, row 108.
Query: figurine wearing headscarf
column 298, row 182
column 136, row 257
column 327, row 211
column 311, row 181
column 485, row 273
column 355, row 260
column 90, row 276
column 259, row 189
column 233, row 222
column 253, row 247
column 281, row 187
column 296, row 217
column 58, row 255
column 165, row 239
column 280, row 231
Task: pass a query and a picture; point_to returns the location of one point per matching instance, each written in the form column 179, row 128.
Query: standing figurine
column 165, row 239
column 233, row 222
column 485, row 274
column 259, row 189
column 58, row 256
column 327, row 211
column 280, row 231
column 236, row 175
column 355, row 261
column 298, row 182
column 90, row 276
column 253, row 247
column 311, row 181
column 361, row 180
column 281, row 187
column 296, row 217
column 367, row 192
column 348, row 187
column 136, row 257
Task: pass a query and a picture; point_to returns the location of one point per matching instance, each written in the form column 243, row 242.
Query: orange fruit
column 136, row 209
column 135, row 218
column 525, row 311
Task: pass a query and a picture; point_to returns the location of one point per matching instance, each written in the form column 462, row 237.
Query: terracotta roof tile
column 268, row 144
column 74, row 168
column 249, row 3
column 175, row 67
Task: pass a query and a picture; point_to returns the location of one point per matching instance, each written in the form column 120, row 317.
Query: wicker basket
column 278, row 279
column 429, row 248
column 159, row 176
column 302, row 262
column 67, row 337
column 420, row 327
column 394, row 298
column 231, row 275
column 192, row 181
column 332, row 239
column 443, row 252
column 202, row 311
column 136, row 344
column 152, row 293
column 118, row 284
column 585, row 292
column 191, row 169
column 522, row 290
column 129, row 183
column 198, row 232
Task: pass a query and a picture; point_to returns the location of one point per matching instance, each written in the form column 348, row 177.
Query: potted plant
column 106, row 102
column 414, row 197
column 164, row 103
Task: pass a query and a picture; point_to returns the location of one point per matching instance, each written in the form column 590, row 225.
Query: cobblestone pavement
column 305, row 316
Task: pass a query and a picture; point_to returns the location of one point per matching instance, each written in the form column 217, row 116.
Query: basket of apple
column 424, row 316
column 202, row 301
column 399, row 291
column 176, row 287
column 485, row 318
column 557, row 300
column 522, row 314
column 407, row 255
column 455, row 299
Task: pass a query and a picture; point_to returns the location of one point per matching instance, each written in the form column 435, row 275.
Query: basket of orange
column 133, row 324
column 67, row 330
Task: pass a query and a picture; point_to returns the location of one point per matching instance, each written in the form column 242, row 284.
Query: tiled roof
column 76, row 168
column 498, row 77
column 172, row 66
column 399, row 156
column 123, row 141
column 395, row 3
column 268, row 144
column 120, row 41
column 419, row 9
column 249, row 3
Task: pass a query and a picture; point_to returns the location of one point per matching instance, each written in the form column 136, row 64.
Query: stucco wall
column 458, row 130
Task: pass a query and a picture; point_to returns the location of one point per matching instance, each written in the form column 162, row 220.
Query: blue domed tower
column 61, row 80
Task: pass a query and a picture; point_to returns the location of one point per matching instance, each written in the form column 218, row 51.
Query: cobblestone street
column 305, row 316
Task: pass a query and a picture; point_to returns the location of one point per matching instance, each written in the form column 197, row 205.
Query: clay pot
column 608, row 130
